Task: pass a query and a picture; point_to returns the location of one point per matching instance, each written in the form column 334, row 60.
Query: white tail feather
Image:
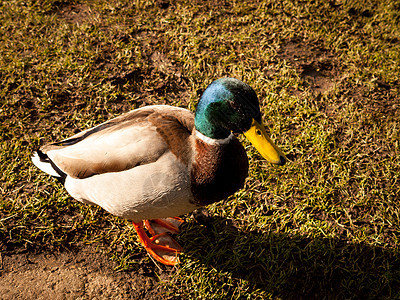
column 44, row 166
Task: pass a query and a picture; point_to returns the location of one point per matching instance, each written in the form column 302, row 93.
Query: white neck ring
column 209, row 140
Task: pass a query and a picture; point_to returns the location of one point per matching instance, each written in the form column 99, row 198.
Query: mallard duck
column 158, row 162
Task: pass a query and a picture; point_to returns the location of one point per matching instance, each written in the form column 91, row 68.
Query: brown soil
column 316, row 65
column 83, row 274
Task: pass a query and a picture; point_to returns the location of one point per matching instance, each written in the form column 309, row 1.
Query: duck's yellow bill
column 263, row 143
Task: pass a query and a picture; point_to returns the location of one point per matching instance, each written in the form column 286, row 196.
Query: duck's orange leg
column 157, row 226
column 161, row 246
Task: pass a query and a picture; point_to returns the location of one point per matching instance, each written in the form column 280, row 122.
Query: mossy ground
column 326, row 225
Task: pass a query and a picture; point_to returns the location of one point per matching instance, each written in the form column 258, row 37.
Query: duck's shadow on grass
column 294, row 266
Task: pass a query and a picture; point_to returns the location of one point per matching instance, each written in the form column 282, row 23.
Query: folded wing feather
column 116, row 145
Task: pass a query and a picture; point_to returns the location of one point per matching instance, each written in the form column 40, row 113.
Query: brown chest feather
column 218, row 171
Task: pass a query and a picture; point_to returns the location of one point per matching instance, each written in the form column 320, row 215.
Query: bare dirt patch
column 76, row 14
column 316, row 65
column 81, row 274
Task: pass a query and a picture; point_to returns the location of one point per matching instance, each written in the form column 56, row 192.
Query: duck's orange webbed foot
column 161, row 246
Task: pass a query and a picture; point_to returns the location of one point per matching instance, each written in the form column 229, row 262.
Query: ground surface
column 83, row 274
column 324, row 226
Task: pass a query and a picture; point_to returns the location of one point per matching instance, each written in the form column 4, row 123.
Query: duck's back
column 136, row 138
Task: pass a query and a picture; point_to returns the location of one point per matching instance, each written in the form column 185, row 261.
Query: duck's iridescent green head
column 227, row 105
column 230, row 105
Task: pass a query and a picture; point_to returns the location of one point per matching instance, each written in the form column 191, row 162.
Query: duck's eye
column 258, row 132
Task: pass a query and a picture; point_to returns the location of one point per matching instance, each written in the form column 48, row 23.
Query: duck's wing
column 136, row 138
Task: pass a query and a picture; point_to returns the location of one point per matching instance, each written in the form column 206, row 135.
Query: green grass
column 325, row 225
